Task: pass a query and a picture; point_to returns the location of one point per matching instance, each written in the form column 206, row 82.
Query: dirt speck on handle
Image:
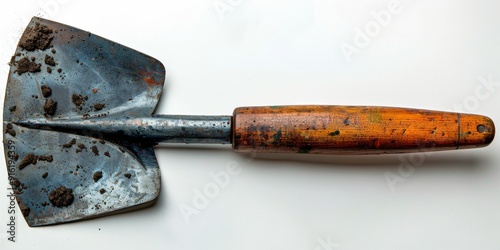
column 13, row 109
column 25, row 65
column 107, row 154
column 97, row 176
column 128, row 175
column 102, row 191
column 61, row 197
column 46, row 91
column 44, row 175
column 36, row 37
column 50, row 107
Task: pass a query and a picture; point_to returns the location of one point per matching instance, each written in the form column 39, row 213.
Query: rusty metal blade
column 61, row 72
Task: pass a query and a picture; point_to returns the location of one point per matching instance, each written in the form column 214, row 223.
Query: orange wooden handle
column 356, row 130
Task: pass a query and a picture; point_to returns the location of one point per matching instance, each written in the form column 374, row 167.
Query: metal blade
column 61, row 72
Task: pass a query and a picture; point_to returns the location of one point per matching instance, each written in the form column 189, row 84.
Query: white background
column 259, row 52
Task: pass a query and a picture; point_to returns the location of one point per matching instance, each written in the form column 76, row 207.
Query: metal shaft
column 160, row 128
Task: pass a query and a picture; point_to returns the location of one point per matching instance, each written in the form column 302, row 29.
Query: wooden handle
column 356, row 130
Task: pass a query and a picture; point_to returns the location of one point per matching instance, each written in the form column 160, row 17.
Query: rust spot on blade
column 149, row 79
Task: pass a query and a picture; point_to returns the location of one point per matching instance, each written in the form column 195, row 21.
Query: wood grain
column 356, row 130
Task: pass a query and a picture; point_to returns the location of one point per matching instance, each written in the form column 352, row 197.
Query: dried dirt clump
column 46, row 91
column 97, row 176
column 33, row 159
column 36, row 37
column 49, row 60
column 10, row 130
column 98, row 106
column 26, row 65
column 61, row 197
column 50, row 107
